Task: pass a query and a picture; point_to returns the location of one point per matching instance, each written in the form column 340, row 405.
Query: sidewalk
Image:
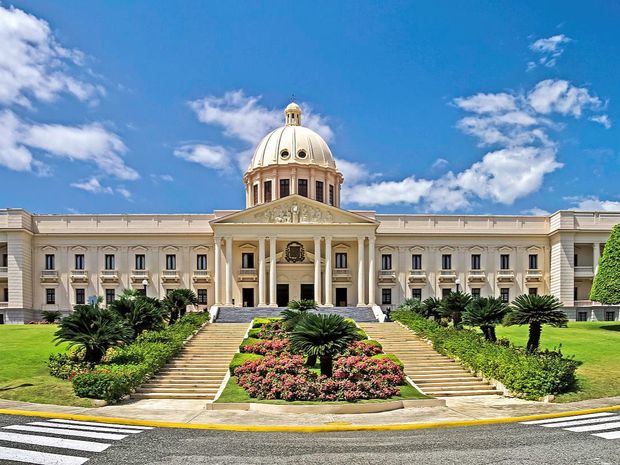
column 194, row 413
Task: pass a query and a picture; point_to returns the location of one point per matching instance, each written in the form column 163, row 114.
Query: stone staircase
column 247, row 314
column 435, row 374
column 200, row 368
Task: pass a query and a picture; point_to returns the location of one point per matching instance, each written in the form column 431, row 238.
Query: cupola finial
column 292, row 113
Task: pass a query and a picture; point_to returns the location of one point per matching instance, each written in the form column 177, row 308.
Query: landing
column 246, row 314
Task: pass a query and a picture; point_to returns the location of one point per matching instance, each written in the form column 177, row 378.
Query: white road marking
column 92, row 423
column 589, row 421
column 48, row 441
column 85, row 428
column 39, row 458
column 582, row 429
column 574, row 417
column 608, row 435
column 67, row 432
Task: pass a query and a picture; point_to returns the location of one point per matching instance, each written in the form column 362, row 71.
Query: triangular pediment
column 294, row 209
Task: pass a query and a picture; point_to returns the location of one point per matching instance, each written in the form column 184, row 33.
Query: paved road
column 503, row 444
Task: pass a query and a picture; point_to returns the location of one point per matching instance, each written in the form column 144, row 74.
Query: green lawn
column 596, row 344
column 24, row 350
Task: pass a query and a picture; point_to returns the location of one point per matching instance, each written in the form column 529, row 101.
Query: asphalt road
column 497, row 444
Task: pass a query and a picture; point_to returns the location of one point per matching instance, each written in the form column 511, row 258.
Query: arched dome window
column 284, row 154
column 301, row 154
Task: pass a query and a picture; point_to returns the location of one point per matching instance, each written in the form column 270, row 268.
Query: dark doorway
column 1, row 318
column 307, row 292
column 341, row 297
column 247, row 297
column 282, row 295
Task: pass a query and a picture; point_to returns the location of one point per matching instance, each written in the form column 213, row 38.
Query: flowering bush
column 359, row 348
column 272, row 330
column 268, row 347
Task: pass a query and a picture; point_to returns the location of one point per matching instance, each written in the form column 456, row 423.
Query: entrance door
column 341, row 297
column 307, row 292
column 247, row 297
column 282, row 295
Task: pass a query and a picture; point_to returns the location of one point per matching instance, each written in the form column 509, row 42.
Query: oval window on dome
column 301, row 154
column 284, row 154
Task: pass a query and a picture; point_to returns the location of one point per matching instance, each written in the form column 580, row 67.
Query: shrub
column 51, row 316
column 240, row 358
column 531, row 376
column 606, row 285
column 66, row 365
column 272, row 330
column 358, row 348
column 268, row 347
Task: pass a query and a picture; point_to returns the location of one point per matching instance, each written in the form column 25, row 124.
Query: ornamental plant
column 267, row 347
column 176, row 302
column 485, row 312
column 606, row 285
column 453, row 305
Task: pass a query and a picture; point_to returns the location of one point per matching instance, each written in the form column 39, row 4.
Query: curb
column 305, row 429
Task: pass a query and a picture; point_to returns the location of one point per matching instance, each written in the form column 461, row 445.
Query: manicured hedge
column 531, row 376
column 606, row 285
column 125, row 368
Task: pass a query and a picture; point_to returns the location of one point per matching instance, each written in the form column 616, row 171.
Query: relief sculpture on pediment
column 294, row 213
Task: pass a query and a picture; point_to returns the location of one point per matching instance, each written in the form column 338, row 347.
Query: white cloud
column 550, row 49
column 487, row 103
column 210, row 156
column 124, row 192
column 562, row 97
column 161, row 177
column 409, row 191
column 440, row 164
column 353, row 172
column 602, row 120
column 593, row 203
column 536, row 212
column 93, row 186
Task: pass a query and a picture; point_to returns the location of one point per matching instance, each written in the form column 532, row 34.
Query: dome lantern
column 292, row 114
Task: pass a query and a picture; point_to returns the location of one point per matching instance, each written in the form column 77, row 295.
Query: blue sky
column 484, row 107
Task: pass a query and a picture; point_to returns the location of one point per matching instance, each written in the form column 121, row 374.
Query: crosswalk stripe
column 573, row 417
column 582, row 429
column 39, row 458
column 608, row 435
column 92, row 423
column 589, row 421
column 68, row 432
column 48, row 441
column 85, row 428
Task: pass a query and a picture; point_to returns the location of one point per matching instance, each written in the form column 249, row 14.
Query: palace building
column 293, row 241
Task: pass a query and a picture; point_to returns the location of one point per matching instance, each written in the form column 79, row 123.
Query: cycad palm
column 453, row 305
column 323, row 336
column 177, row 301
column 536, row 310
column 431, row 307
column 485, row 312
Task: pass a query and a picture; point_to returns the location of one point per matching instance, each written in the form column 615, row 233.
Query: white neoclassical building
column 293, row 241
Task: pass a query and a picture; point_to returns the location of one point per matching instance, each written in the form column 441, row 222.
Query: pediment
column 294, row 209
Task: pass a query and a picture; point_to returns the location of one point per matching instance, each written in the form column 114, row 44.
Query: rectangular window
column 445, row 291
column 533, row 261
column 416, row 262
column 255, row 194
column 386, row 261
column 302, row 187
column 79, row 261
column 475, row 292
column 576, row 260
column 5, row 295
column 331, row 194
column 5, row 259
column 582, row 316
column 50, row 259
column 285, row 188
column 108, row 262
column 247, row 260
column 201, row 262
column 532, row 291
column 610, row 316
column 416, row 293
column 319, row 194
column 504, row 294
column 575, row 294
column 109, row 296
column 267, row 191
column 504, row 261
column 202, row 296
column 50, row 296
column 80, row 296
column 171, row 262
column 140, row 262
column 386, row 296
column 475, row 261
column 446, row 262
column 341, row 260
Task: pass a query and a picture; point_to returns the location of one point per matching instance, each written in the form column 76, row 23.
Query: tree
column 453, row 305
column 177, row 301
column 412, row 305
column 323, row 336
column 536, row 310
column 432, row 307
column 140, row 312
column 606, row 285
column 485, row 312
column 93, row 328
column 51, row 316
column 302, row 305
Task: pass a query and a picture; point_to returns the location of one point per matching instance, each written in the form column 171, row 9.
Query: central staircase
column 199, row 370
column 246, row 314
column 434, row 374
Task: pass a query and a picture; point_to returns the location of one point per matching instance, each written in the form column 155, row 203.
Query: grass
column 596, row 344
column 24, row 350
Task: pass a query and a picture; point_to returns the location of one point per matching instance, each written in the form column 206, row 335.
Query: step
column 446, row 379
column 183, row 383
column 164, row 390
column 158, row 395
column 168, row 386
column 482, row 392
column 185, row 377
column 456, row 387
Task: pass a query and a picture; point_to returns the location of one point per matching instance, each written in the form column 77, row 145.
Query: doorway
column 341, row 297
column 282, row 298
column 307, row 292
column 247, row 297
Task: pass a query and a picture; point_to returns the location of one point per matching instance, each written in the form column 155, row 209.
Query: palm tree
column 536, row 310
column 93, row 328
column 453, row 305
column 302, row 305
column 323, row 336
column 431, row 307
column 412, row 305
column 485, row 312
column 177, row 301
column 140, row 312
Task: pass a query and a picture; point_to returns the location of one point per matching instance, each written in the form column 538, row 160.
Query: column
column 228, row 271
column 217, row 274
column 317, row 270
column 597, row 255
column 272, row 273
column 261, row 272
column 372, row 274
column 328, row 272
column 360, row 272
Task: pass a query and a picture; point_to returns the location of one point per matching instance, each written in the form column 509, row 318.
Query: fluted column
column 597, row 255
column 261, row 272
column 371, row 271
column 328, row 272
column 228, row 271
column 317, row 270
column 360, row 272
column 272, row 273
column 218, row 274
